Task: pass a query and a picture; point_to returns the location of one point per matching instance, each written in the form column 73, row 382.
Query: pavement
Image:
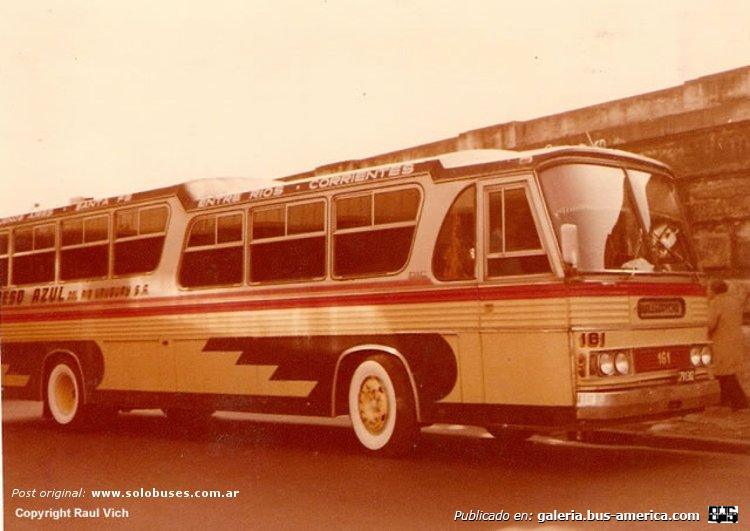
column 718, row 429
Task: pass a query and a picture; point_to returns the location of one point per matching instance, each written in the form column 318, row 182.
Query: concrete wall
column 701, row 128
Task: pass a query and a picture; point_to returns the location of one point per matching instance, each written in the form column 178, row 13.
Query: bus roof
column 204, row 193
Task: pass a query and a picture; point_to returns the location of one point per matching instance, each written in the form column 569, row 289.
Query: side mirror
column 569, row 244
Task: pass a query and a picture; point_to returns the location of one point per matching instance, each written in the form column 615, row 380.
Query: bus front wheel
column 381, row 406
column 64, row 398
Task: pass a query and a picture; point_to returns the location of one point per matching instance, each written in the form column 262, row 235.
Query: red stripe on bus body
column 213, row 303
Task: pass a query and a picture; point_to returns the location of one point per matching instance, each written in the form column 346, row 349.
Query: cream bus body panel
column 539, row 376
column 138, row 365
column 525, row 351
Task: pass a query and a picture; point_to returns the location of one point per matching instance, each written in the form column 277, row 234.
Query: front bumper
column 646, row 401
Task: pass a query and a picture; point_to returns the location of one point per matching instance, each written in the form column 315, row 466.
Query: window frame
column 287, row 237
column 374, row 226
column 458, row 258
column 524, row 184
column 138, row 236
column 5, row 256
column 84, row 244
column 186, row 249
column 34, row 251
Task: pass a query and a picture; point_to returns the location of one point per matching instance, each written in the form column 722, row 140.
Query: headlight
column 606, row 363
column 696, row 354
column 622, row 363
column 701, row 356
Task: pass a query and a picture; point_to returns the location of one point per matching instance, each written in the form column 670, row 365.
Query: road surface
column 293, row 476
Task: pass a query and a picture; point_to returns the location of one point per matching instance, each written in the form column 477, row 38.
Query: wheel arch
column 347, row 363
column 54, row 355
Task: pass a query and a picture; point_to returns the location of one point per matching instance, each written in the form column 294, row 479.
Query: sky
column 99, row 99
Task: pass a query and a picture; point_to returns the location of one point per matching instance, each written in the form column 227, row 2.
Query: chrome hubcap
column 373, row 405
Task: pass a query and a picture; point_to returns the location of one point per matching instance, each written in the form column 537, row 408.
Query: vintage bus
column 553, row 289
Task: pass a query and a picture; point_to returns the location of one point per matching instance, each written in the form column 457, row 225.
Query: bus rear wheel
column 381, row 406
column 64, row 397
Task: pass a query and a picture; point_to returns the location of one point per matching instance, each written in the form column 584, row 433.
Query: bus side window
column 454, row 257
column 84, row 248
column 288, row 242
column 4, row 258
column 34, row 254
column 513, row 243
column 214, row 251
column 139, row 239
column 374, row 232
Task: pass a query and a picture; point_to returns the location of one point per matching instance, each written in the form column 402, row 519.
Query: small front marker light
column 582, row 365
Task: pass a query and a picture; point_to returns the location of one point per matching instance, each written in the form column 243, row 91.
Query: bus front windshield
column 625, row 220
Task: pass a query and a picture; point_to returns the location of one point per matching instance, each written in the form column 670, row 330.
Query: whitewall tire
column 381, row 406
column 64, row 394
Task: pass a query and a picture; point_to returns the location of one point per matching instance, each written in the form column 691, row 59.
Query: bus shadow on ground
column 234, row 433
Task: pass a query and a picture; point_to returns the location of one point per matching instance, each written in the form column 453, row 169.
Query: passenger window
column 288, row 242
column 152, row 220
column 23, row 240
column 126, row 222
column 513, row 246
column 269, row 222
column 395, row 207
column 84, row 248
column 229, row 229
column 353, row 212
column 306, row 218
column 71, row 232
column 454, row 257
column 4, row 258
column 139, row 239
column 44, row 237
column 34, row 254
column 374, row 232
column 214, row 252
column 203, row 232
